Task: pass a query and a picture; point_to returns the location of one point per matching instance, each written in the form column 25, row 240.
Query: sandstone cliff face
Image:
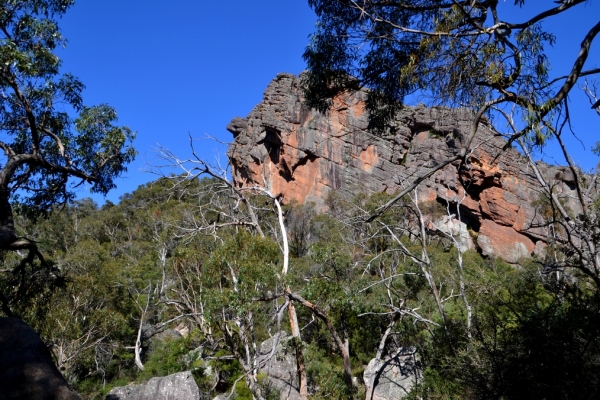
column 304, row 155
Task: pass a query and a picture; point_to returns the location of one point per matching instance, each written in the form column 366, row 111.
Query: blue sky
column 569, row 28
column 190, row 66
column 182, row 67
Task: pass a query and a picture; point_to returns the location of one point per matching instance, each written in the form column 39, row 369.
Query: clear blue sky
column 181, row 67
column 190, row 66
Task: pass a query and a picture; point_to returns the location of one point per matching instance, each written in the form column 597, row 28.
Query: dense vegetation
column 108, row 287
column 178, row 253
column 50, row 141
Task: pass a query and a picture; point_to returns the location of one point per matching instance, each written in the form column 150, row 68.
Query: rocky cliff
column 303, row 155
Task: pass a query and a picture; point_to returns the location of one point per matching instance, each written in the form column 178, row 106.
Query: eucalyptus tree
column 221, row 211
column 46, row 151
column 477, row 54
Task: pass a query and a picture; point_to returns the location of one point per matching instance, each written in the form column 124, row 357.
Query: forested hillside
column 186, row 254
column 236, row 277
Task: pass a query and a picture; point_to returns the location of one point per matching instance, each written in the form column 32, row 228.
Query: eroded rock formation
column 280, row 367
column 303, row 155
column 393, row 377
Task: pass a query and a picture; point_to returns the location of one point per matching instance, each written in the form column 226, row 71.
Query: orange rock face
column 499, row 205
column 303, row 155
column 503, row 241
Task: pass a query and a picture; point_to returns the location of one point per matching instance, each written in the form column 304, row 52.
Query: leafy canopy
column 45, row 152
column 458, row 52
column 43, row 146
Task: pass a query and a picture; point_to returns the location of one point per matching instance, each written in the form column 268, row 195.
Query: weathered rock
column 458, row 230
column 179, row 386
column 26, row 367
column 495, row 239
column 280, row 367
column 303, row 155
column 394, row 377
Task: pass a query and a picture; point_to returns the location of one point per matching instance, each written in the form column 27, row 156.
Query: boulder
column 451, row 226
column 179, row 386
column 394, row 377
column 26, row 367
column 280, row 367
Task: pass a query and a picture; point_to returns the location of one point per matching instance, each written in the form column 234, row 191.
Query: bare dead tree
column 194, row 168
column 577, row 240
column 143, row 312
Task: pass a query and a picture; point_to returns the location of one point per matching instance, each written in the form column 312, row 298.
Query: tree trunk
column 379, row 354
column 302, row 381
column 343, row 345
column 7, row 224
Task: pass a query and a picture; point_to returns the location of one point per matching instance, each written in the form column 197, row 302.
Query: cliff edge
column 303, row 155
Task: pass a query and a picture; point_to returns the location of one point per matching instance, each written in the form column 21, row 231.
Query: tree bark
column 7, row 223
column 302, row 380
column 343, row 345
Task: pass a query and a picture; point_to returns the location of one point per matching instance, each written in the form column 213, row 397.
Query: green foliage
column 299, row 219
column 325, row 373
column 357, row 274
column 47, row 153
column 463, row 53
column 435, row 387
column 102, row 147
column 540, row 340
column 243, row 268
column 173, row 355
column 529, row 336
column 90, row 148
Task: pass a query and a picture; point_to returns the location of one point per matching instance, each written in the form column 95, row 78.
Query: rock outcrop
column 393, row 377
column 179, row 386
column 304, row 155
column 26, row 367
column 280, row 367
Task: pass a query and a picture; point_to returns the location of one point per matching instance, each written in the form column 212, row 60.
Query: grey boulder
column 393, row 377
column 179, row 386
column 280, row 366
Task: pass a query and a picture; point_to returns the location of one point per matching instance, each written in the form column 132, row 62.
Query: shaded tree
column 46, row 152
